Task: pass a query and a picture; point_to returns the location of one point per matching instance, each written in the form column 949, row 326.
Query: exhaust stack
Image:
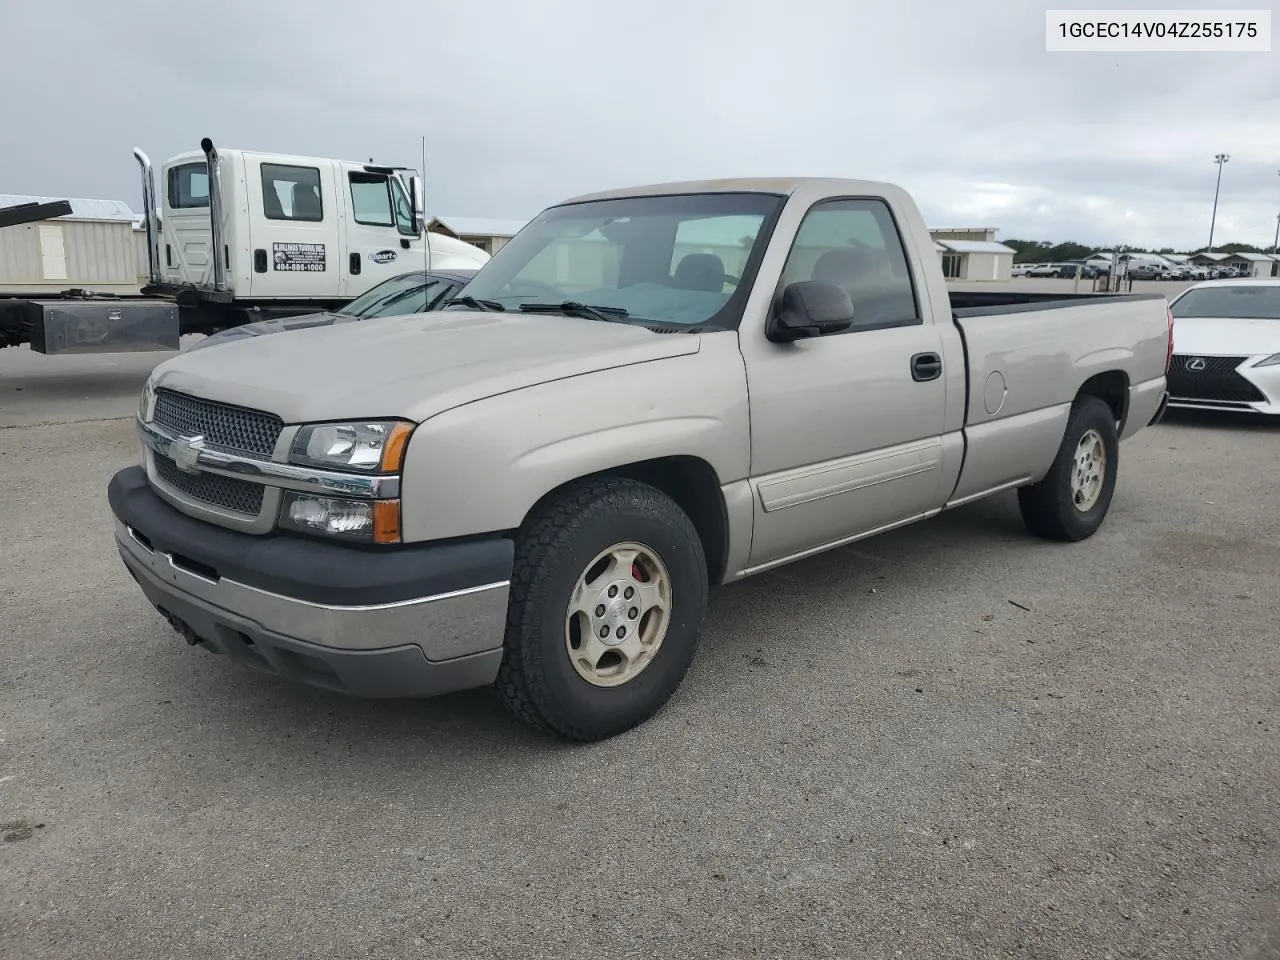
column 215, row 216
column 150, row 216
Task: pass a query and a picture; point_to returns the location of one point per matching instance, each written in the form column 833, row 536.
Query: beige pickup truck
column 646, row 393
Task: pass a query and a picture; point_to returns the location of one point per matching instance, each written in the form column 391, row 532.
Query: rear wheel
column 608, row 595
column 1072, row 500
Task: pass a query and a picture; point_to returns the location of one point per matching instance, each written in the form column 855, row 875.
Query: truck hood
column 412, row 367
column 275, row 325
column 1212, row 336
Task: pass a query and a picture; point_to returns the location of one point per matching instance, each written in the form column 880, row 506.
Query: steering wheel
column 538, row 288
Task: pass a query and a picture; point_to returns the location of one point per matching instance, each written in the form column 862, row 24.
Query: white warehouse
column 972, row 253
column 93, row 246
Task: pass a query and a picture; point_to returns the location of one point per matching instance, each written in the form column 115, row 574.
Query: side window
column 371, row 200
column 189, row 186
column 291, row 193
column 855, row 244
column 404, row 212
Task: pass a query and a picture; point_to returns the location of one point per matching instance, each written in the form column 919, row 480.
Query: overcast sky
column 526, row 103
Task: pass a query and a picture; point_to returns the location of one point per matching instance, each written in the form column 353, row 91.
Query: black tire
column 537, row 680
column 1048, row 508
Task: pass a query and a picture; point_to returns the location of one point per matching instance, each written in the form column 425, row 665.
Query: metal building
column 487, row 234
column 94, row 246
column 974, row 259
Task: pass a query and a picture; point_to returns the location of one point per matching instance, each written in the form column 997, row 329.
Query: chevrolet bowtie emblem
column 185, row 453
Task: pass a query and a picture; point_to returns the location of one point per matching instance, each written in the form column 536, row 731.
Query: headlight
column 369, row 521
column 146, row 402
column 1270, row 361
column 368, row 447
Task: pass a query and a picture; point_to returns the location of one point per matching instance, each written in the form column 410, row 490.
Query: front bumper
column 408, row 622
column 1224, row 384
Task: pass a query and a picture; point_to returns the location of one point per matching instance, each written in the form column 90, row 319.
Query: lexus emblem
column 185, row 453
column 1197, row 364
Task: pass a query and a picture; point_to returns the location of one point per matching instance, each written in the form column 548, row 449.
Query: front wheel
column 1072, row 500
column 608, row 595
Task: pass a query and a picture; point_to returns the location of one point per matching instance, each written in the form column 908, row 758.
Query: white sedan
column 1226, row 347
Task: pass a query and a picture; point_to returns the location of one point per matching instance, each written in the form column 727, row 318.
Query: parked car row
column 1137, row 269
column 1066, row 269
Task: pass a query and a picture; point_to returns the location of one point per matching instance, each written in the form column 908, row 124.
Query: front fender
column 479, row 468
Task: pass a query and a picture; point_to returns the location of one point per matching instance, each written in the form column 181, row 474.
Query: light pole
column 1275, row 246
column 1219, row 159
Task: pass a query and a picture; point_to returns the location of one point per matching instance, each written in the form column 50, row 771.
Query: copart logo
column 383, row 256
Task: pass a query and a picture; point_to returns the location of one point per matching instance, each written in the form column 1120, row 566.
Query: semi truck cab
column 271, row 230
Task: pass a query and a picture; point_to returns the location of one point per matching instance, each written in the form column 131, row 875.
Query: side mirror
column 418, row 204
column 810, row 308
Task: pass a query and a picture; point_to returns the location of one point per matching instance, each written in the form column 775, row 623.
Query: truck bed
column 1026, row 357
column 981, row 303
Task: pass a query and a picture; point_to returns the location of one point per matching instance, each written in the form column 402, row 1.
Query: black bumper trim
column 1160, row 411
column 309, row 570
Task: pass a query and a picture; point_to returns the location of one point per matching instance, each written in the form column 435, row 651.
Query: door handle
column 926, row 366
column 260, row 260
column 353, row 263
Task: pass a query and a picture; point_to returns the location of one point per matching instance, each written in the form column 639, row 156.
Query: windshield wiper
column 572, row 308
column 475, row 304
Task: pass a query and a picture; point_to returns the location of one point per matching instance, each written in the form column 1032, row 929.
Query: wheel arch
column 690, row 481
column 1112, row 388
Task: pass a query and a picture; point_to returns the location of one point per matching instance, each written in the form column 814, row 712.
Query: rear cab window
column 188, row 186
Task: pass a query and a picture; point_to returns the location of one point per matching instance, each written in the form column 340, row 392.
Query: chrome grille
column 238, row 496
column 221, row 425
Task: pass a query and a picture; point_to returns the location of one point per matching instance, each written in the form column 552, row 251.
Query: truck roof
column 783, row 186
column 193, row 155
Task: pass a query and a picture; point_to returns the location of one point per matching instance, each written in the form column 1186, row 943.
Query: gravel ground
column 950, row 741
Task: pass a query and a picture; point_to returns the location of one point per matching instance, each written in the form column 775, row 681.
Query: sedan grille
column 1211, row 379
column 221, row 425
column 229, row 493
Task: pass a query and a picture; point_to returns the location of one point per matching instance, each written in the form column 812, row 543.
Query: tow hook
column 181, row 626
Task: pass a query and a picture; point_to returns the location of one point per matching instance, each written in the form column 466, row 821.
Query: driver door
column 379, row 230
column 847, row 429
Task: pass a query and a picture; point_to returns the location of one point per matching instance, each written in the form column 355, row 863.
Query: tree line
column 1042, row 251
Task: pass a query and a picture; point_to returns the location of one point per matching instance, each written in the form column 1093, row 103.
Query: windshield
column 672, row 260
column 407, row 294
column 1246, row 301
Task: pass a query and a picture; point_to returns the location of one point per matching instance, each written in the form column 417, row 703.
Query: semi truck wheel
column 1072, row 500
column 608, row 595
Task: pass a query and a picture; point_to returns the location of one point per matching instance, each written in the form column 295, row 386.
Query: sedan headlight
column 368, row 521
column 375, row 446
column 1270, row 361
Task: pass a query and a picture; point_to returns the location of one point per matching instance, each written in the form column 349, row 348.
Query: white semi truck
column 235, row 236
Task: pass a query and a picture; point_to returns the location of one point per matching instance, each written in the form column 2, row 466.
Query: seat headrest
column 306, row 202
column 700, row 271
column 839, row 266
